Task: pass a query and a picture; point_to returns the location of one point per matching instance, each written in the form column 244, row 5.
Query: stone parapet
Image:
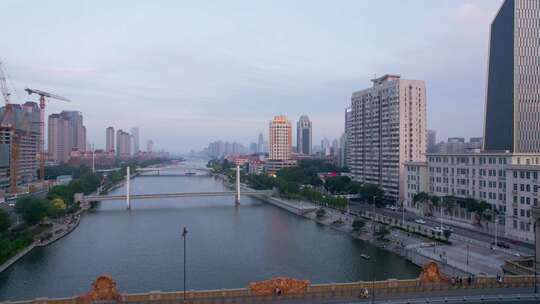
column 313, row 291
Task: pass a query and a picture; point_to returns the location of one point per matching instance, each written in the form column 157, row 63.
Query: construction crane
column 42, row 96
column 3, row 85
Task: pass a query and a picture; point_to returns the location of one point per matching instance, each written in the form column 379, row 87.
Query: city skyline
column 324, row 77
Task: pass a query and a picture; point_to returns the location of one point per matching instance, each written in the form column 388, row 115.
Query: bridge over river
column 79, row 197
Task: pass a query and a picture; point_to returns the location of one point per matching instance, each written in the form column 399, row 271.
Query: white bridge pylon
column 128, row 181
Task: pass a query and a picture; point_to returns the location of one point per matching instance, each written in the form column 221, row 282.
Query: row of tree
column 428, row 202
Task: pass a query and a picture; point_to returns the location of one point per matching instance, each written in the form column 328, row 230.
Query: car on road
column 437, row 229
column 447, row 228
column 391, row 207
column 501, row 244
column 419, row 221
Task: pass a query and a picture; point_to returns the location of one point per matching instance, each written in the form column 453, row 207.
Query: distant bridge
column 79, row 197
column 172, row 195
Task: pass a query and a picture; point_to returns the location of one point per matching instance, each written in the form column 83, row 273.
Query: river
column 227, row 247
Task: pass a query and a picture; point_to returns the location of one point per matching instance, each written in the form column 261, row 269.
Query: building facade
column 387, row 128
column 304, row 139
column 66, row 132
column 109, row 139
column 149, row 146
column 135, row 134
column 431, row 141
column 506, row 181
column 280, row 134
column 123, row 144
column 19, row 133
column 513, row 87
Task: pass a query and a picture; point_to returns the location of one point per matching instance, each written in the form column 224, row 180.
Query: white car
column 448, row 228
column 420, row 221
column 437, row 230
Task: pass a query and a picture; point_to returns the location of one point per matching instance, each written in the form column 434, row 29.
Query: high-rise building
column 280, row 138
column 260, row 144
column 19, row 131
column 325, row 146
column 304, row 135
column 150, row 146
column 77, row 131
column 123, row 144
column 66, row 132
column 135, row 134
column 109, row 145
column 388, row 127
column 342, row 154
column 347, row 144
column 431, row 141
column 512, row 117
column 253, row 148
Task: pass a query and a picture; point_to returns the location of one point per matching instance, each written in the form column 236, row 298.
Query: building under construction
column 19, row 145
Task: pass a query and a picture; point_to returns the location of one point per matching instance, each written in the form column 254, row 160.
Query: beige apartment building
column 386, row 128
column 280, row 147
column 507, row 181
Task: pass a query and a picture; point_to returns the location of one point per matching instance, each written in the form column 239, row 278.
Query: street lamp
column 184, row 236
column 373, row 283
column 467, row 257
column 535, row 256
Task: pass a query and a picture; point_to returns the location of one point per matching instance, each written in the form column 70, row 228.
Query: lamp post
column 184, row 236
column 373, row 283
column 535, row 256
column 467, row 257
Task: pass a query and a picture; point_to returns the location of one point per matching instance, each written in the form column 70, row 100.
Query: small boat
column 190, row 173
column 365, row 256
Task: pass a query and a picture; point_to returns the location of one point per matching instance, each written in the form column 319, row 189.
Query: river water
column 227, row 247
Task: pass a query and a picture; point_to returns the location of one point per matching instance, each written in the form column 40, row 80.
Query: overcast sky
column 187, row 73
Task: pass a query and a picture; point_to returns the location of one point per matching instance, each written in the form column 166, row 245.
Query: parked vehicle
column 437, row 229
column 501, row 244
column 419, row 221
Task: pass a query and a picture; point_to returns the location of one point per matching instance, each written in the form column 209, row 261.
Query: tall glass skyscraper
column 512, row 118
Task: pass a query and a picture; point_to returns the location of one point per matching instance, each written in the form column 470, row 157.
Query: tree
column 372, row 193
column 358, row 224
column 382, row 232
column 61, row 191
column 320, row 213
column 435, row 200
column 5, row 221
column 32, row 209
column 447, row 233
column 337, row 184
column 59, row 204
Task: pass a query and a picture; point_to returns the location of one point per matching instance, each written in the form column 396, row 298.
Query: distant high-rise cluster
column 220, row 148
column 66, row 134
